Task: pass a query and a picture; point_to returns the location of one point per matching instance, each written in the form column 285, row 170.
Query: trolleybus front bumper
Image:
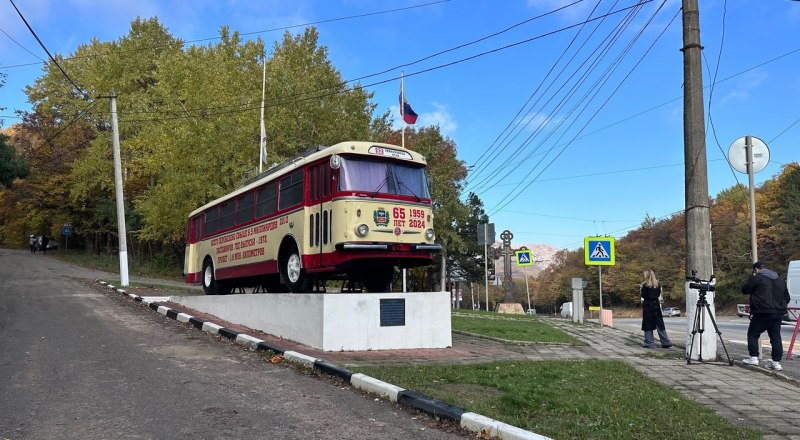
column 397, row 247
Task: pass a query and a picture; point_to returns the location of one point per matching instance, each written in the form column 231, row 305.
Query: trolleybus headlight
column 429, row 234
column 361, row 230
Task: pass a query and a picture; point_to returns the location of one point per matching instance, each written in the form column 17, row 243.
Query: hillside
column 542, row 256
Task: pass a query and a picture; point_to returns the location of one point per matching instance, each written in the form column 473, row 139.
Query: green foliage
column 12, row 166
column 188, row 125
column 659, row 244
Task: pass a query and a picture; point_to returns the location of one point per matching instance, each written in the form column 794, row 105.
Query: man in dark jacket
column 768, row 300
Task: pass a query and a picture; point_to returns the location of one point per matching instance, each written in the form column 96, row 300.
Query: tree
column 12, row 166
column 189, row 121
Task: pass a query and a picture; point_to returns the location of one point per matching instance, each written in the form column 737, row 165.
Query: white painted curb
column 248, row 341
column 212, row 328
column 299, row 358
column 493, row 428
column 375, row 386
column 183, row 317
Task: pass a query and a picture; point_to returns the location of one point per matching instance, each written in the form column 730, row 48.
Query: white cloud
column 749, row 81
column 441, row 116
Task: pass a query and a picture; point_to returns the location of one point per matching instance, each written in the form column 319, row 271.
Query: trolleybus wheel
column 293, row 272
column 210, row 284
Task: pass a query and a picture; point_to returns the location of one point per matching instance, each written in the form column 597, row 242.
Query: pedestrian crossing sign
column 599, row 251
column 524, row 257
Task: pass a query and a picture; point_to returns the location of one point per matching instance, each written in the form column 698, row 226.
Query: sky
column 568, row 114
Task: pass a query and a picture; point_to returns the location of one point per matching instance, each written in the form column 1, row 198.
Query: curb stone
column 471, row 421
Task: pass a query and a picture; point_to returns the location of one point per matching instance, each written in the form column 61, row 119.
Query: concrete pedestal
column 339, row 321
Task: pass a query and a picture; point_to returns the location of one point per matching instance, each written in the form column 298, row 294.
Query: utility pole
column 698, row 223
column 123, row 243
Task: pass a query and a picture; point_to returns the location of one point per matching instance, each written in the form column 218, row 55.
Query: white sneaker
column 752, row 360
column 772, row 365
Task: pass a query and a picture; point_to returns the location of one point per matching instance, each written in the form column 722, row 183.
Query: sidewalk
column 744, row 395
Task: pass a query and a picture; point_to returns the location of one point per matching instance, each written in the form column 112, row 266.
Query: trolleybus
column 352, row 211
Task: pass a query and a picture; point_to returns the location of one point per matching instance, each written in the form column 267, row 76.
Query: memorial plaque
column 393, row 312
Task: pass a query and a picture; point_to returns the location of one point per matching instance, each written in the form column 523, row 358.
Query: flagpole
column 402, row 101
column 403, row 144
column 263, row 140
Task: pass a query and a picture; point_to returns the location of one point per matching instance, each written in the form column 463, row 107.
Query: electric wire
column 294, row 99
column 478, row 165
column 583, row 101
column 330, row 20
column 609, row 41
column 20, row 45
column 77, row 87
column 337, row 87
column 508, row 199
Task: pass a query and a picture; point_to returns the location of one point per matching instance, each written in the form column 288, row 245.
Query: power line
column 417, row 61
column 18, row 44
column 493, row 146
column 608, row 42
column 582, row 102
column 264, row 31
column 78, row 88
column 509, row 197
column 292, row 99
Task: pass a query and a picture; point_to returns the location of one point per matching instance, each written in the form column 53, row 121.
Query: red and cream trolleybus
column 352, row 211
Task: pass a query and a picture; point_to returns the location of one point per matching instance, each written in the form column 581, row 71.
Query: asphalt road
column 733, row 329
column 78, row 363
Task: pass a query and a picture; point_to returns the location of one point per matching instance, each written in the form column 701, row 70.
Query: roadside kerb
column 471, row 421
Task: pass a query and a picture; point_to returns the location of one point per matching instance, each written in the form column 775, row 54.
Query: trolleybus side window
column 196, row 229
column 210, row 224
column 267, row 200
column 244, row 208
column 226, row 215
column 291, row 192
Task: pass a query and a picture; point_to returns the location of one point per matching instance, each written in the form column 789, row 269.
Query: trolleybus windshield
column 384, row 177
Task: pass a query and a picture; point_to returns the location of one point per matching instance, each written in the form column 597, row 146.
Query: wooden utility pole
column 698, row 223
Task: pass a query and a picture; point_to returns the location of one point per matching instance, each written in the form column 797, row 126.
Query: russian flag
column 406, row 111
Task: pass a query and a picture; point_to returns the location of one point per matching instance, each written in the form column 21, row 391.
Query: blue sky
column 572, row 165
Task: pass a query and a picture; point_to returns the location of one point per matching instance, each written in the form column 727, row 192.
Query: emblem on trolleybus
column 381, row 217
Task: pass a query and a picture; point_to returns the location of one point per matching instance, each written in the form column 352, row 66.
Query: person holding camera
column 651, row 311
column 768, row 300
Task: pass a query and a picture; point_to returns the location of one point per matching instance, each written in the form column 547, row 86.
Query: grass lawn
column 592, row 399
column 510, row 327
column 157, row 268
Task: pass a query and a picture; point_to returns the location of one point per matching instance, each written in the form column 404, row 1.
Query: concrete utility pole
column 698, row 224
column 123, row 242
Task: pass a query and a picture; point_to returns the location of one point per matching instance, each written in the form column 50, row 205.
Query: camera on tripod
column 701, row 285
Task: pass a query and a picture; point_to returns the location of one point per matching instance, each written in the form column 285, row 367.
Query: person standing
column 768, row 300
column 45, row 242
column 651, row 311
column 32, row 242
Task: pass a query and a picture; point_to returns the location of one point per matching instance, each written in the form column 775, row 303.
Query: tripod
column 699, row 327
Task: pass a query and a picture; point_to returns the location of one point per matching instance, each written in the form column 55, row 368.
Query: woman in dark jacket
column 651, row 311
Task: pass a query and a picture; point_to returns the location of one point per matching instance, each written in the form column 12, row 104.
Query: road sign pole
column 526, row 289
column 486, row 266
column 600, row 283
